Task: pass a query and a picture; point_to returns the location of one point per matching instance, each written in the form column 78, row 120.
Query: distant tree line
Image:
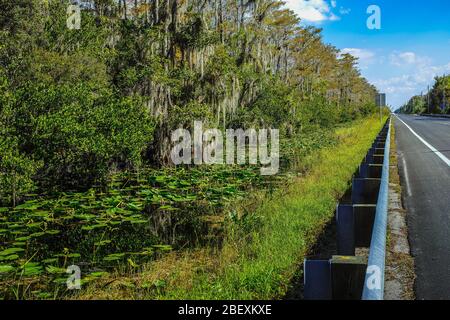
column 77, row 105
column 436, row 101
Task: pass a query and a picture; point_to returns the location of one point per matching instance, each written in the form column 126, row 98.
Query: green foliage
column 16, row 169
column 80, row 134
column 16, row 172
column 440, row 95
column 437, row 101
column 417, row 105
column 125, row 221
column 264, row 245
column 52, row 68
column 184, row 117
column 271, row 108
column 85, row 112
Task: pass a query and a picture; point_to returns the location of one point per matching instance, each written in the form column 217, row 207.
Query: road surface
column 423, row 145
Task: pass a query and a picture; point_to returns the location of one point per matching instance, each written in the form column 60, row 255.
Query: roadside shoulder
column 400, row 275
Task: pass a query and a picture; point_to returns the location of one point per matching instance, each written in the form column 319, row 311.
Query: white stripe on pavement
column 408, row 186
column 436, row 152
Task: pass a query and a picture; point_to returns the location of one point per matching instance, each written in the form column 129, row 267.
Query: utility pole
column 421, row 101
column 428, row 98
column 444, row 93
column 445, row 99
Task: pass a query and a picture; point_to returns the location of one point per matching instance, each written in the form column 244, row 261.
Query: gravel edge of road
column 400, row 268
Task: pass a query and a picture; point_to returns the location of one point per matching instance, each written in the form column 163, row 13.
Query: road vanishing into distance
column 423, row 145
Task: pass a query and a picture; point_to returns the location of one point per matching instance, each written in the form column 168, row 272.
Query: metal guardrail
column 436, row 115
column 361, row 222
column 374, row 282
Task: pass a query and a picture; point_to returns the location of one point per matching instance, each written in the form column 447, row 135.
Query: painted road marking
column 405, row 168
column 436, row 152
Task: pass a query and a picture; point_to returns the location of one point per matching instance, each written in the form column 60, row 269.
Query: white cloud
column 419, row 73
column 401, row 59
column 313, row 10
column 334, row 17
column 361, row 54
column 365, row 57
column 420, row 69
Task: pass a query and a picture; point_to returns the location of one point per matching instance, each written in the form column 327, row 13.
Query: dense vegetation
column 86, row 117
column 262, row 252
column 436, row 101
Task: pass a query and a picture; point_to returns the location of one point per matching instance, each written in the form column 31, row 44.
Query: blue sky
column 404, row 56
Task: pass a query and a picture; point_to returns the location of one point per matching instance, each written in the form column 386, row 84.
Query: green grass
column 291, row 222
column 262, row 262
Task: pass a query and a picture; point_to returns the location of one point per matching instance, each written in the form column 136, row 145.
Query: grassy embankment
column 260, row 259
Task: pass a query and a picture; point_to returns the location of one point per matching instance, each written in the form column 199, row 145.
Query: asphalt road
column 425, row 173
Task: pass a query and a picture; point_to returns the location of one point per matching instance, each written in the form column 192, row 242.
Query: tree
column 16, row 169
column 86, row 102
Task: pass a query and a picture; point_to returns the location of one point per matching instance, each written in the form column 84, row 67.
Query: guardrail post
column 370, row 171
column 365, row 191
column 345, row 221
column 364, row 219
column 378, row 151
column 317, row 280
column 380, row 145
column 340, row 278
column 347, row 277
column 378, row 159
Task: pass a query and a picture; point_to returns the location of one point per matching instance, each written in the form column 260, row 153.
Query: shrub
column 79, row 133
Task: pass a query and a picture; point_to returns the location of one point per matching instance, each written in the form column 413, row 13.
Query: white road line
column 436, row 152
column 405, row 168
